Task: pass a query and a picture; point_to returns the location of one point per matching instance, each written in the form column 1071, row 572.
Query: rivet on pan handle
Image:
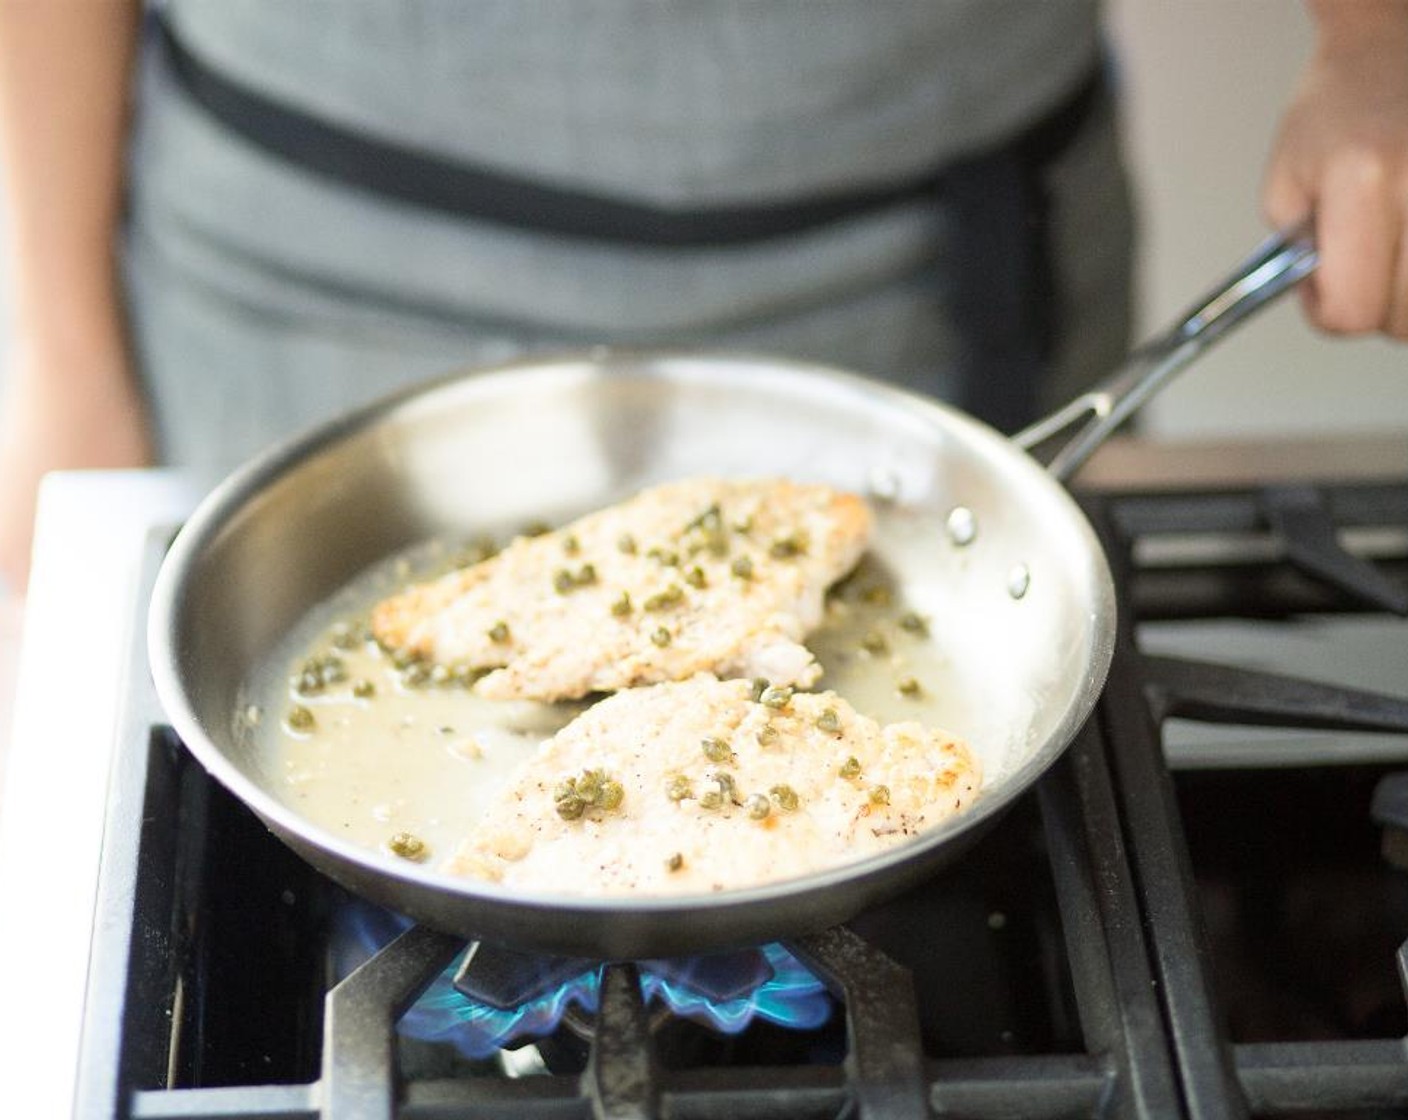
column 1275, row 267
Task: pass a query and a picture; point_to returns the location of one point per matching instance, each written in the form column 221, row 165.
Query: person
column 318, row 203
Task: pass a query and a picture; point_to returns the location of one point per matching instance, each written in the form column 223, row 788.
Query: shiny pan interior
column 1031, row 621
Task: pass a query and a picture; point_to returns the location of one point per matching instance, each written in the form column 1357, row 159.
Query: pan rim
column 213, row 514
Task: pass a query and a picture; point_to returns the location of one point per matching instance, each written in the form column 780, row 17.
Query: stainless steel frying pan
column 1027, row 597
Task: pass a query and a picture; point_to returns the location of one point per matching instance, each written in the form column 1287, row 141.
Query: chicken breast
column 706, row 785
column 723, row 576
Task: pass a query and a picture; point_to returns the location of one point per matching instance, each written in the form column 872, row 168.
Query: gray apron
column 266, row 295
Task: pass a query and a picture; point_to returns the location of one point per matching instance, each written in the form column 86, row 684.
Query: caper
column 562, row 581
column 767, row 735
column 908, row 686
column 711, row 798
column 777, row 696
column 877, row 595
column 300, row 719
column 850, row 768
column 661, row 637
column 589, row 786
column 612, row 794
column 626, row 543
column 663, row 600
column 464, row 675
column 788, row 547
column 710, row 527
column 678, row 788
column 308, row 682
column 880, row 795
column 675, row 862
column 759, row 686
column 758, row 806
column 622, row 606
column 785, row 796
column 586, row 575
column 417, row 675
column 346, row 636
column 914, row 624
column 332, row 670
column 875, row 642
column 742, row 567
column 475, row 552
column 592, row 788
column 709, row 519
column 570, row 808
column 407, row 846
column 586, row 793
column 571, row 545
column 665, row 557
column 696, row 578
column 716, row 750
column 363, row 689
column 828, row 721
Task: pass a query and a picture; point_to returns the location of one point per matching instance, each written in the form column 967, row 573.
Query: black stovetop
column 1131, row 940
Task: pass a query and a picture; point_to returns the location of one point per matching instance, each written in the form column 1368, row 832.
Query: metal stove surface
column 1144, row 933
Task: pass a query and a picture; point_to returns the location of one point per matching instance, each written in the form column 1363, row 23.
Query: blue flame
column 793, row 997
column 444, row 1014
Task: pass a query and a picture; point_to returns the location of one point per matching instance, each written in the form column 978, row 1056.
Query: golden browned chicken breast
column 704, row 785
column 703, row 575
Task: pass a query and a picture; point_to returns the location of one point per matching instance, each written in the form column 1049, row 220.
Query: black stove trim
column 1219, row 1078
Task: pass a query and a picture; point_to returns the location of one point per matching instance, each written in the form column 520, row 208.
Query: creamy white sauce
column 429, row 760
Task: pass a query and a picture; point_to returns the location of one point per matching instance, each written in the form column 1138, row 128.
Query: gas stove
column 1201, row 910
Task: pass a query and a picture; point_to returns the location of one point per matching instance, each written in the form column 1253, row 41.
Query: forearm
column 64, row 69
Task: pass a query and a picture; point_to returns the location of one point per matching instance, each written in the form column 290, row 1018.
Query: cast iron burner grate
column 211, row 993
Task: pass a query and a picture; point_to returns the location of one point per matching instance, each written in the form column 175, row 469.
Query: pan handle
column 1276, row 266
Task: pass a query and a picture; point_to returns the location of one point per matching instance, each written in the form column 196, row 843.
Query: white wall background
column 1204, row 84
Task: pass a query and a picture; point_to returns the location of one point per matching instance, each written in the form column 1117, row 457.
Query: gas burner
column 491, row 998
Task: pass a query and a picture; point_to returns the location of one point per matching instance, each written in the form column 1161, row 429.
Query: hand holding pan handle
column 1275, row 267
